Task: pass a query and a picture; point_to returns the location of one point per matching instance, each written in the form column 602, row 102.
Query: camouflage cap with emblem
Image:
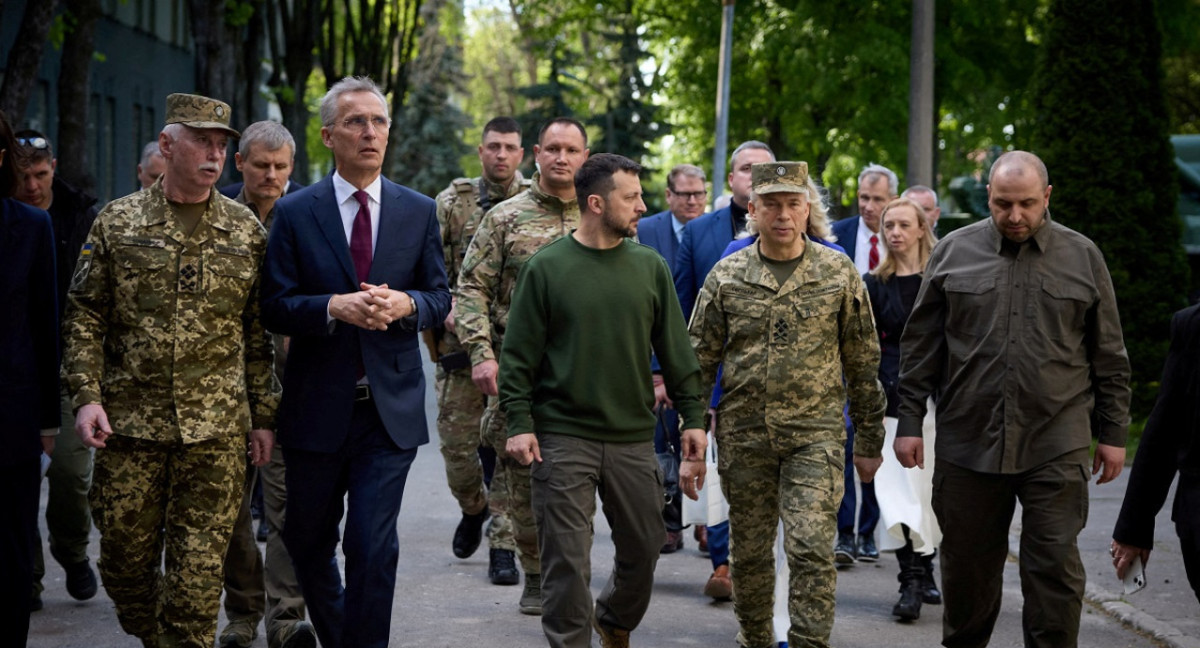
column 199, row 112
column 776, row 177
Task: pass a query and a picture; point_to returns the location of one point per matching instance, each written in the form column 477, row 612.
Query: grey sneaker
column 239, row 633
column 531, row 598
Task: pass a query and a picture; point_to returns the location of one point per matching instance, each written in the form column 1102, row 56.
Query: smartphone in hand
column 1135, row 576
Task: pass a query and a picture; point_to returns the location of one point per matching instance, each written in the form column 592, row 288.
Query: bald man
column 1016, row 328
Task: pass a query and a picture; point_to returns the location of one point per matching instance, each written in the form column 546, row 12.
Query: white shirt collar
column 343, row 190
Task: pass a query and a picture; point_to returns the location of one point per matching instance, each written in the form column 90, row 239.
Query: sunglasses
column 38, row 143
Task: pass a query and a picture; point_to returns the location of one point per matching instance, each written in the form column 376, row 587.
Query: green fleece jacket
column 581, row 329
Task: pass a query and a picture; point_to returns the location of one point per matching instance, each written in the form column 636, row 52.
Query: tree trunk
column 215, row 57
column 21, row 69
column 292, row 58
column 920, row 97
column 74, row 88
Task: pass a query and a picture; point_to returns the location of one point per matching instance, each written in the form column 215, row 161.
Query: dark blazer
column 232, row 190
column 658, row 231
column 846, row 231
column 308, row 261
column 29, row 351
column 704, row 239
column 1171, row 440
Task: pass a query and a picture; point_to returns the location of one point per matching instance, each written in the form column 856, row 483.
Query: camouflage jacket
column 163, row 329
column 507, row 236
column 459, row 210
column 786, row 349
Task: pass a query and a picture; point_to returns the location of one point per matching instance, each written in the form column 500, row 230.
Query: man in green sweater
column 586, row 314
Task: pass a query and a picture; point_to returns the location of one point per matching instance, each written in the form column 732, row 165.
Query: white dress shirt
column 862, row 247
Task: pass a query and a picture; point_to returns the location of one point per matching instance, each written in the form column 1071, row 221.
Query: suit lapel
column 329, row 219
column 390, row 228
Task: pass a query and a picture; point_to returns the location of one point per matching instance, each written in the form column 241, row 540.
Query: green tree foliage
column 428, row 129
column 1100, row 124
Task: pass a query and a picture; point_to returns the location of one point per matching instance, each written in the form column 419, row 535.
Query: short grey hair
column 747, row 145
column 873, row 169
column 685, row 170
column 270, row 134
column 148, row 151
column 920, row 189
column 347, row 85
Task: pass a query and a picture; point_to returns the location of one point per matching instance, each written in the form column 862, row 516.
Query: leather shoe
column 35, row 603
column 469, row 534
column 866, row 549
column 700, row 533
column 674, row 542
column 297, row 635
column 502, row 567
column 845, row 552
column 719, row 585
column 611, row 637
column 81, row 581
column 264, row 528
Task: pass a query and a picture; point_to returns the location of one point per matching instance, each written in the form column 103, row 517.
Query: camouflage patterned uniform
column 163, row 330
column 780, row 433
column 460, row 207
column 507, row 236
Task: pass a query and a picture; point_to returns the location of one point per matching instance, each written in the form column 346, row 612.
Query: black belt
column 362, row 393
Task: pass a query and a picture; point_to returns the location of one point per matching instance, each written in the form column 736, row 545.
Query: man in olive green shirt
column 1016, row 334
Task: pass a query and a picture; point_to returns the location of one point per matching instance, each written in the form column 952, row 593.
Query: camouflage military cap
column 775, row 177
column 199, row 112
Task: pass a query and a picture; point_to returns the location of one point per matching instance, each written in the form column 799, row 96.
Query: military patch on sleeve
column 82, row 268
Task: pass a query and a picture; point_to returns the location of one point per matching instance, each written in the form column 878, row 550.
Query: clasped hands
column 372, row 307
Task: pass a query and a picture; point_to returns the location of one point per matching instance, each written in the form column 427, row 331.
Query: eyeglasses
column 38, row 143
column 690, row 195
column 360, row 122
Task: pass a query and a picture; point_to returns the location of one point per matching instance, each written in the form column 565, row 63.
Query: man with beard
column 595, row 428
column 507, row 236
column 1016, row 329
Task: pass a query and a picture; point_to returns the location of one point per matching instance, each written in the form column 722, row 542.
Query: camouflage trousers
column 148, row 496
column 513, row 481
column 765, row 481
column 460, row 412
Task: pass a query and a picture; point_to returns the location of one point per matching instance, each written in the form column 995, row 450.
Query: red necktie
column 872, row 258
column 360, row 238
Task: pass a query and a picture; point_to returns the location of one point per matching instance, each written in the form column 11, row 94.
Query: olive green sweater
column 581, row 329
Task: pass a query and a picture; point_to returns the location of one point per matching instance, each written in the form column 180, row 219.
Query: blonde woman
column 907, row 522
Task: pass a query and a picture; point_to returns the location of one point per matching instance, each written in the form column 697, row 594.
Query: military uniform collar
column 498, row 191
column 545, row 199
column 758, row 273
column 162, row 214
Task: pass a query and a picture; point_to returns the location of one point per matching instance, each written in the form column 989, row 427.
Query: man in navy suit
column 862, row 239
column 704, row 240
column 354, row 270
column 29, row 402
column 686, row 196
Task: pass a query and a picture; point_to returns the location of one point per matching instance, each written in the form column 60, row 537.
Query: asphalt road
column 445, row 602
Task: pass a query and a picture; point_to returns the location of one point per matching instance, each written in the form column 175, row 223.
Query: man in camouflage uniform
column 506, row 237
column 788, row 319
column 170, row 371
column 460, row 404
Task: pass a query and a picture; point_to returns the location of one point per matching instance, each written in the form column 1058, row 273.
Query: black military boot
column 912, row 570
column 929, row 590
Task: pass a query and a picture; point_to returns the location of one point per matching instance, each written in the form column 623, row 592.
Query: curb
column 1116, row 606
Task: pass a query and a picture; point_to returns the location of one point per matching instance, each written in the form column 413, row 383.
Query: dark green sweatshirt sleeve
column 680, row 369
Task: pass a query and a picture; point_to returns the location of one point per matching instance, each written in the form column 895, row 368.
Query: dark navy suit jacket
column 704, row 239
column 658, row 231
column 846, row 231
column 29, row 353
column 308, row 261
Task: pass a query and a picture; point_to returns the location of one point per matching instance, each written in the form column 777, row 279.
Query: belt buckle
column 362, row 392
